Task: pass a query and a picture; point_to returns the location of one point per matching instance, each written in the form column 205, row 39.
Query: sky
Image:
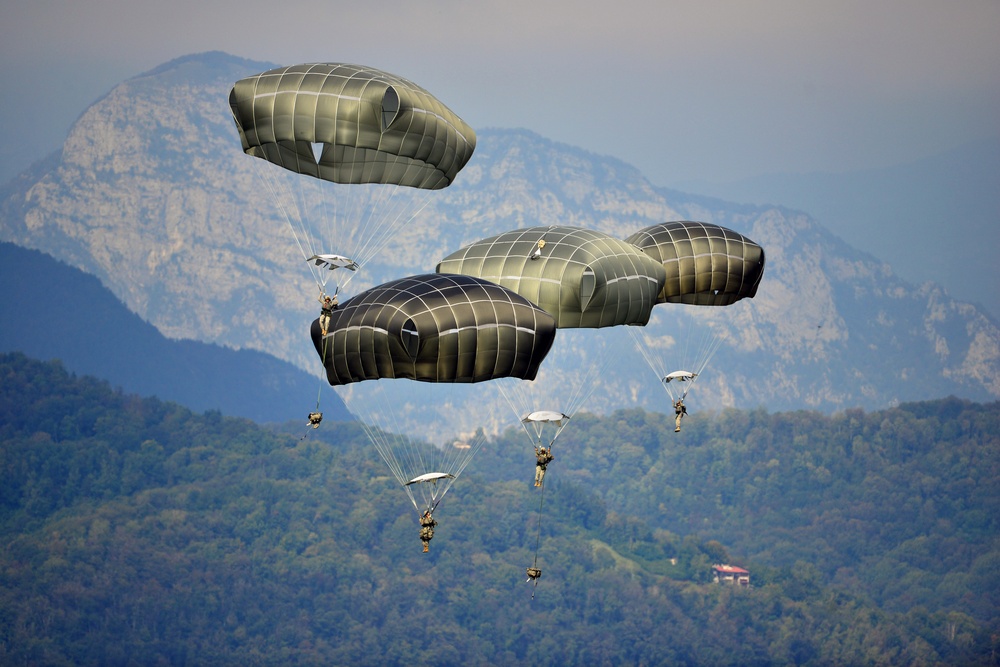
column 711, row 91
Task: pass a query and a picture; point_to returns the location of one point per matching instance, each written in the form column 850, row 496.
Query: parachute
column 350, row 124
column 434, row 328
column 442, row 330
column 690, row 347
column 546, row 417
column 430, row 477
column 334, row 262
column 343, row 149
column 705, row 264
column 584, row 278
column 540, row 423
column 431, row 494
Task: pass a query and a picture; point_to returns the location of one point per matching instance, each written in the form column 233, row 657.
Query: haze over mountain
column 152, row 194
column 53, row 311
column 935, row 219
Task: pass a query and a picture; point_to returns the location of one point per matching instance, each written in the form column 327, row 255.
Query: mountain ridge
column 152, row 194
column 57, row 312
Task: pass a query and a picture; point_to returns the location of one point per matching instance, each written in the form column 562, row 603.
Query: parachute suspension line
column 645, row 347
column 525, row 396
column 407, row 457
column 383, row 440
column 704, row 348
column 363, row 219
column 383, row 233
column 591, row 379
column 280, row 195
column 356, row 220
column 520, row 405
column 387, row 213
column 478, row 441
column 397, row 450
column 511, row 394
column 709, row 346
column 375, row 227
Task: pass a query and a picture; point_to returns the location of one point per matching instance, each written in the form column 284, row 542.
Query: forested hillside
column 901, row 505
column 135, row 531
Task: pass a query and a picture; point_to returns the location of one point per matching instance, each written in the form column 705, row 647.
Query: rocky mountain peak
column 153, row 195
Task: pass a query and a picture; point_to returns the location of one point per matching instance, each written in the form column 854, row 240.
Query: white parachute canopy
column 546, row 416
column 544, row 425
column 430, row 477
column 680, row 376
column 429, row 490
column 333, row 262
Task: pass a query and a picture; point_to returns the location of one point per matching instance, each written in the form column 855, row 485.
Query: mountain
column 932, row 219
column 53, row 311
column 152, row 194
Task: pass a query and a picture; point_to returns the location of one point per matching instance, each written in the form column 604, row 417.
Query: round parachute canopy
column 706, row 265
column 432, row 477
column 334, row 262
column 544, row 426
column 584, row 278
column 350, row 124
column 546, row 416
column 435, row 328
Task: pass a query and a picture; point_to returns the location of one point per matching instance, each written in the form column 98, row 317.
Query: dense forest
column 134, row 531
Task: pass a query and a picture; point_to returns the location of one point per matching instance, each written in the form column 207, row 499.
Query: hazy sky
column 686, row 91
column 694, row 93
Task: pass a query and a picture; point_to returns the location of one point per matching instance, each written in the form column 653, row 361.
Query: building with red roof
column 730, row 574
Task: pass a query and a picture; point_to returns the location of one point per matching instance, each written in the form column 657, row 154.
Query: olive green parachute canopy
column 706, row 265
column 435, row 328
column 350, row 124
column 583, row 277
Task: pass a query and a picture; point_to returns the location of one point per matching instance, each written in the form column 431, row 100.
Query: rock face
column 152, row 194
